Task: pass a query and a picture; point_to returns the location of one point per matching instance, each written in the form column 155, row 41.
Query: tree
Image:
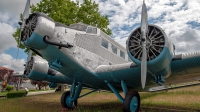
column 89, row 13
column 40, row 84
column 16, row 81
column 68, row 12
column 5, row 74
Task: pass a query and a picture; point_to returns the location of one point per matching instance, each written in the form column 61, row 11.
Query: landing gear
column 69, row 99
column 66, row 101
column 132, row 102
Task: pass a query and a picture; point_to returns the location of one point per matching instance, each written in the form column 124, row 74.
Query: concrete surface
column 40, row 92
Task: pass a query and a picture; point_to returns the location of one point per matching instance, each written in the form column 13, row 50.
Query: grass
column 185, row 99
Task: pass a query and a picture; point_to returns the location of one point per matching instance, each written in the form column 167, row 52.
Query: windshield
column 79, row 27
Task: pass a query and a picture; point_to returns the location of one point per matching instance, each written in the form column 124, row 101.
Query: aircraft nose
column 36, row 27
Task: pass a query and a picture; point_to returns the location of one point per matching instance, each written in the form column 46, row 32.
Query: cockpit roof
column 78, row 26
column 84, row 27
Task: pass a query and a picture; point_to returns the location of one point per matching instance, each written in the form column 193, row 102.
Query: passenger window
column 89, row 30
column 104, row 43
column 122, row 54
column 114, row 49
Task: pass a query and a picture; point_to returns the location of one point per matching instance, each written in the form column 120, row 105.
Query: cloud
column 9, row 16
column 188, row 41
column 8, row 61
column 6, row 37
column 178, row 18
column 14, row 7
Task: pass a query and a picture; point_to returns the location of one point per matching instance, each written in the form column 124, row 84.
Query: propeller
column 27, row 66
column 144, row 30
column 29, row 55
column 22, row 24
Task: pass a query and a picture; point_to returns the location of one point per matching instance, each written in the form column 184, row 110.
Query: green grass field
column 184, row 99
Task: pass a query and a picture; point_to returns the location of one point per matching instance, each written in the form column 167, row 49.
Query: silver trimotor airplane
column 83, row 56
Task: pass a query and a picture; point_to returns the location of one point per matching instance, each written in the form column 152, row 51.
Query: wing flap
column 173, row 86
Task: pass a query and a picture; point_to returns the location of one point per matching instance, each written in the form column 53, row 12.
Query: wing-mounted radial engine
column 38, row 69
column 149, row 47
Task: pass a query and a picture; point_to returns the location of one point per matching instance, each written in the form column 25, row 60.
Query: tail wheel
column 66, row 101
column 132, row 102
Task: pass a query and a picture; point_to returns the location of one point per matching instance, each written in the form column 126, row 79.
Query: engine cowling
column 36, row 27
column 159, row 51
column 36, row 69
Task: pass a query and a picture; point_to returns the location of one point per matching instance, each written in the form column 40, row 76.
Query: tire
column 132, row 102
column 63, row 99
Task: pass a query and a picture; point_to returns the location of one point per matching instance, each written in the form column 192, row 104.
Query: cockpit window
column 82, row 27
column 89, row 30
column 94, row 31
column 73, row 26
column 79, row 27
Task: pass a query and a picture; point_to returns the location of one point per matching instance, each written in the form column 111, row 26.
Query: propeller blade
column 26, row 10
column 143, row 66
column 144, row 30
column 144, row 20
column 29, row 55
column 27, row 62
column 24, row 16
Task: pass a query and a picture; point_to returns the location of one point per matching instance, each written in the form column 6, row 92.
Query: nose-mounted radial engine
column 149, row 47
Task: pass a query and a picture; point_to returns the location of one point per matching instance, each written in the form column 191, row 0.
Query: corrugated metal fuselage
column 96, row 58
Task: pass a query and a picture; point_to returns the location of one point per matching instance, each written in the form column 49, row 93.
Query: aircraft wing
column 17, row 74
column 184, row 68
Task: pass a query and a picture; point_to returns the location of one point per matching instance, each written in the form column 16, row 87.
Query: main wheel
column 66, row 101
column 132, row 102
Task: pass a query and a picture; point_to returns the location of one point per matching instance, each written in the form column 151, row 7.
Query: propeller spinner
column 144, row 30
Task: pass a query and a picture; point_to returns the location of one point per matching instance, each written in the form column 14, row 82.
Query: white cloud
column 124, row 15
column 171, row 15
column 14, row 7
column 7, row 60
column 6, row 37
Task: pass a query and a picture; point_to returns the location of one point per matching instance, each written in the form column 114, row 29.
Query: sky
column 180, row 19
